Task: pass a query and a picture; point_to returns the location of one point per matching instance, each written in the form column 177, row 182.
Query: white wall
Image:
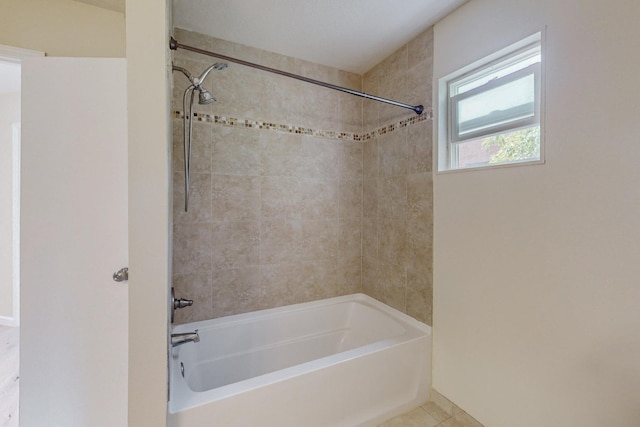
column 9, row 114
column 62, row 28
column 148, row 72
column 536, row 294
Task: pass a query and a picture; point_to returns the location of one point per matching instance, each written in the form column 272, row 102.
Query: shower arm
column 182, row 70
column 174, row 45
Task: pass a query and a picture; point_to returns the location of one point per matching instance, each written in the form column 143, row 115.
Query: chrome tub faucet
column 185, row 337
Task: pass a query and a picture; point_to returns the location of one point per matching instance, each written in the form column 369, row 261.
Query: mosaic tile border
column 330, row 134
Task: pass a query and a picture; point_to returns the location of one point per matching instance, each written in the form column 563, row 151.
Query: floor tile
column 416, row 418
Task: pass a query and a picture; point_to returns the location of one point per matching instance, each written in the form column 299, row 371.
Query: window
column 493, row 111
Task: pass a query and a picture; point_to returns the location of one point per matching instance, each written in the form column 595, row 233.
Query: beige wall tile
column 281, row 154
column 322, row 73
column 398, row 165
column 394, row 87
column 235, row 290
column 419, row 147
column 235, row 244
column 300, row 282
column 392, row 196
column 370, row 198
column 319, row 240
column 349, row 275
column 289, row 218
column 192, row 248
column 350, row 160
column 392, row 240
column 350, row 113
column 237, row 90
column 420, row 197
column 350, row 199
column 280, row 98
column 235, row 50
column 280, row 62
column 235, row 198
column 370, row 237
column 199, row 198
column 281, row 240
column 201, row 147
column 320, row 107
column 392, row 285
column 393, row 153
column 321, row 157
column 281, row 197
column 370, row 277
column 349, row 238
column 319, row 198
column 420, row 49
column 418, row 87
column 370, row 159
column 370, row 110
column 235, row 151
column 419, row 298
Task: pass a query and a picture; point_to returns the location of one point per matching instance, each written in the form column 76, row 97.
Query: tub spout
column 183, row 338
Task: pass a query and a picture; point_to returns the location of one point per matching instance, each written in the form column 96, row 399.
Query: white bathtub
column 346, row 361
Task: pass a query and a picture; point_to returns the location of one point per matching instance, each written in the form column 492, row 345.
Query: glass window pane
column 477, row 81
column 503, row 104
column 517, row 146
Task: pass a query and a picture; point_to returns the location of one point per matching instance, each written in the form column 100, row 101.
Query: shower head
column 205, row 97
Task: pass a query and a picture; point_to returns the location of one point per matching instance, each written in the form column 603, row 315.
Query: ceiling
column 352, row 35
column 9, row 77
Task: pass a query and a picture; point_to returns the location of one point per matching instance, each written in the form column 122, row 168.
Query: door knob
column 121, row 275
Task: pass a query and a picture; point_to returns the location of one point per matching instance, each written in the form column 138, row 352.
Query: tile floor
column 427, row 415
column 9, row 378
column 438, row 412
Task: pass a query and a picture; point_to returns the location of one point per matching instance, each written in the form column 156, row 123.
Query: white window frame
column 449, row 138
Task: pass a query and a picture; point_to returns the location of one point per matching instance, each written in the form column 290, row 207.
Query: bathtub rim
column 271, row 312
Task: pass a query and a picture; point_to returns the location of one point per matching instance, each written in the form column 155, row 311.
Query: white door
column 73, row 361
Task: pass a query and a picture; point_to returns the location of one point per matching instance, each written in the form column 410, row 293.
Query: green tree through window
column 523, row 144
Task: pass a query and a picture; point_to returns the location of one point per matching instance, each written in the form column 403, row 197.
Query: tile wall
column 397, row 191
column 277, row 195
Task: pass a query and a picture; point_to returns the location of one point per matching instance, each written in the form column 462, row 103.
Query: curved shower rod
column 174, row 45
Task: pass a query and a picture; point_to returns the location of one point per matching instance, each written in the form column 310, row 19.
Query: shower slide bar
column 174, row 45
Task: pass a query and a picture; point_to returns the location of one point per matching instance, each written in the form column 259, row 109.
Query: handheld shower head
column 204, row 97
column 216, row 66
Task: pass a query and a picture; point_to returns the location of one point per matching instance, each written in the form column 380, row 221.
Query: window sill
column 492, row 167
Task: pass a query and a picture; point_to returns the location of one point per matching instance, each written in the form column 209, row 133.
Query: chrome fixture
column 121, row 275
column 177, row 303
column 174, row 45
column 185, row 337
column 204, row 97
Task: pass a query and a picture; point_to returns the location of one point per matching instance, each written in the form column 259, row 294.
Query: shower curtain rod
column 174, row 45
